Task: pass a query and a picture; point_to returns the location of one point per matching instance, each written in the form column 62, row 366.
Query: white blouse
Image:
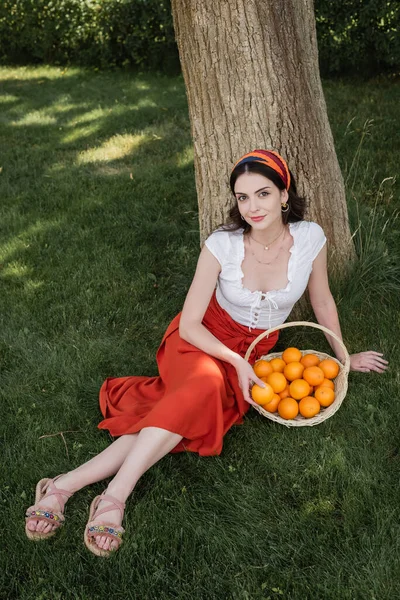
column 258, row 309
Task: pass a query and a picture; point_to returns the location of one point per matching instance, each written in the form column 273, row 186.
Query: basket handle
column 262, row 335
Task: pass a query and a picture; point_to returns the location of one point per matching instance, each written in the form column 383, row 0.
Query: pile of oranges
column 295, row 384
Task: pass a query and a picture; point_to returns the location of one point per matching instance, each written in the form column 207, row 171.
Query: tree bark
column 252, row 81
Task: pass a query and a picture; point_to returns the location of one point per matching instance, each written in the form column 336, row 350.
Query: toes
column 47, row 528
column 32, row 524
column 40, row 526
column 44, row 526
column 101, row 541
column 112, row 545
column 106, row 544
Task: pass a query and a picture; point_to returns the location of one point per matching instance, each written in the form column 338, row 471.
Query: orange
column 262, row 395
column 324, row 395
column 299, row 388
column 288, row 408
column 291, row 355
column 262, row 368
column 310, row 360
column 329, row 367
column 309, row 407
column 328, row 383
column 314, row 375
column 293, row 370
column 277, row 364
column 285, row 392
column 277, row 381
column 273, row 405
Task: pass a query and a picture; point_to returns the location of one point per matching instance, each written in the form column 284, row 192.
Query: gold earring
column 284, row 207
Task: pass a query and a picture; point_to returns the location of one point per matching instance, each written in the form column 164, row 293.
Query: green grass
column 98, row 244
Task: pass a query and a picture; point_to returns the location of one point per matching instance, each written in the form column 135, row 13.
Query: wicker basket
column 340, row 381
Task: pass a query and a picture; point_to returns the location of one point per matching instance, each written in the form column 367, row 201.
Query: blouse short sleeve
column 216, row 243
column 317, row 239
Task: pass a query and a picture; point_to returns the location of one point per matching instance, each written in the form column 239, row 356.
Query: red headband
column 271, row 159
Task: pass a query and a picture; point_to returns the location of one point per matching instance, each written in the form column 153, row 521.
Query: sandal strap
column 115, row 503
column 50, row 489
column 114, row 533
column 56, row 519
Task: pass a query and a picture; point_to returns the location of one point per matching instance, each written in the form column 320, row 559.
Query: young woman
column 249, row 275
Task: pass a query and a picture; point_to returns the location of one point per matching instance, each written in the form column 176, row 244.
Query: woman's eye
column 263, row 194
column 241, row 198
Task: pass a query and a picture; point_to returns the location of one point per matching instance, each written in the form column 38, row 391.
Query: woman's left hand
column 368, row 361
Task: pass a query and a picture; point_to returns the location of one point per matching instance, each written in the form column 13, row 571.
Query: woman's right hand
column 246, row 377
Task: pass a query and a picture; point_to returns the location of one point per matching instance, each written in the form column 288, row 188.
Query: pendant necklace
column 261, row 262
column 270, row 243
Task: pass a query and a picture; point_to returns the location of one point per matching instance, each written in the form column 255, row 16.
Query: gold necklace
column 270, row 243
column 273, row 259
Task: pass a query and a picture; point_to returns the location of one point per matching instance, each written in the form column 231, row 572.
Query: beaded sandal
column 92, row 530
column 46, row 487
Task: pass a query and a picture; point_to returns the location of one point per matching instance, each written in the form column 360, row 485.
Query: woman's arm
column 325, row 310
column 192, row 330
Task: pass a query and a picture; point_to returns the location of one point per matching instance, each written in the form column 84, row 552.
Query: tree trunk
column 252, row 81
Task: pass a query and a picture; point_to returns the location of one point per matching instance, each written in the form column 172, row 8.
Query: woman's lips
column 257, row 218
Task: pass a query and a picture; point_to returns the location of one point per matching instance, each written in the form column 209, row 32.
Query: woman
column 260, row 266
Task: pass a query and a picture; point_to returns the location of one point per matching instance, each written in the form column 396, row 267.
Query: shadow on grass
column 97, row 178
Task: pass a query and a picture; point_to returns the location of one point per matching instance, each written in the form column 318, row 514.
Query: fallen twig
column 62, row 436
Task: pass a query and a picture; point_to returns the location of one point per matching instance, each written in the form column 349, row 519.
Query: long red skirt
column 195, row 395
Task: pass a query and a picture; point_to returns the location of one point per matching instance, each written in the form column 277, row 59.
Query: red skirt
column 195, row 395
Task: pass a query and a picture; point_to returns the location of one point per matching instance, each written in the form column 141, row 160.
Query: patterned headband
column 271, row 159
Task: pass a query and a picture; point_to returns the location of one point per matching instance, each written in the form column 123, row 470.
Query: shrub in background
column 103, row 33
column 361, row 35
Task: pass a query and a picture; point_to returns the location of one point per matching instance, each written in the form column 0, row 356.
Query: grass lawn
column 98, row 245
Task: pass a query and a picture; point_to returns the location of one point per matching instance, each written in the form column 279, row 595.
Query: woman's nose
column 253, row 204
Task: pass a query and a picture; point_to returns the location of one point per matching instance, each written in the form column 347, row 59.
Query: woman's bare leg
column 151, row 445
column 98, row 468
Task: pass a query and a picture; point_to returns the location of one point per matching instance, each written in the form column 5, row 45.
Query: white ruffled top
column 258, row 309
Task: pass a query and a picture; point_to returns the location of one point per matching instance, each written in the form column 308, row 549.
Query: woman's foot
column 103, row 533
column 47, row 514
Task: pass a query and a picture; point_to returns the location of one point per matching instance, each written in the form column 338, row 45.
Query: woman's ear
column 284, row 196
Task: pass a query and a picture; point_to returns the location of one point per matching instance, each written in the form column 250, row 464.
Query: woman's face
column 259, row 200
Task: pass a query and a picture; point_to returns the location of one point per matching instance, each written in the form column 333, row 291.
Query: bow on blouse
column 234, row 335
